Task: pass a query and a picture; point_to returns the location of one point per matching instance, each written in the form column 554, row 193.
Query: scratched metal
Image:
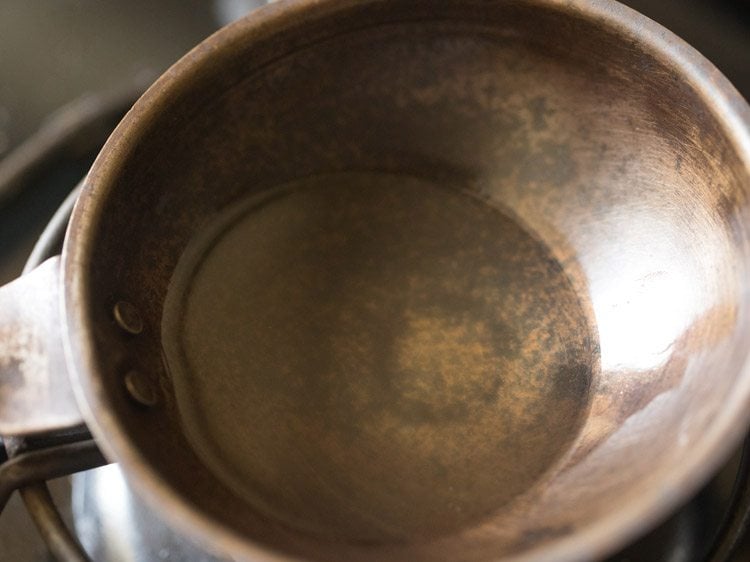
column 35, row 392
column 581, row 120
column 620, row 149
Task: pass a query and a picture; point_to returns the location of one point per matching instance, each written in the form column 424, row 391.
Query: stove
column 70, row 69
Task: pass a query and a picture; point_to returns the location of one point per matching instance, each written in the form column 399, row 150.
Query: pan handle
column 36, row 395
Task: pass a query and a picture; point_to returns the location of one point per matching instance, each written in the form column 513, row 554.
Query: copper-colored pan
column 407, row 280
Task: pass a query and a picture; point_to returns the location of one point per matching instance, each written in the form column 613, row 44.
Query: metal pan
column 390, row 280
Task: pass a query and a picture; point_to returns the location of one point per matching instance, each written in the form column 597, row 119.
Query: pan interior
column 373, row 357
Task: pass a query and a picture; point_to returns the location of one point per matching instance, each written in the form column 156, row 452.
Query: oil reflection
column 648, row 285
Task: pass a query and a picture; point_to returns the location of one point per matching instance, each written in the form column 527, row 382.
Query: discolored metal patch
column 372, row 357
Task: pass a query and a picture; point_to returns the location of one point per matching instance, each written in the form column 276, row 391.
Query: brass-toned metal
column 141, row 389
column 436, row 280
column 127, row 317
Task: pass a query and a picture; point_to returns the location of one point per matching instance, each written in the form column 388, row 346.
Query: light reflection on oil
column 647, row 287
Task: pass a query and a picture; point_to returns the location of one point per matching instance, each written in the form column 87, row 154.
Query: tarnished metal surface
column 105, row 488
column 560, row 113
column 127, row 317
column 141, row 389
column 377, row 334
column 35, row 393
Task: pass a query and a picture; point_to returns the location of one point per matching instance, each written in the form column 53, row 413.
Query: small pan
column 406, row 280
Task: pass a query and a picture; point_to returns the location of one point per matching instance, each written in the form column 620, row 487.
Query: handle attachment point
column 35, row 392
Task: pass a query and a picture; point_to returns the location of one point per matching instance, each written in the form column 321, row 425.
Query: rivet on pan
column 141, row 389
column 127, row 317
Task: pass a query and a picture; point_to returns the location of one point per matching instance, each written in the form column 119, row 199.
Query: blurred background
column 70, row 68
